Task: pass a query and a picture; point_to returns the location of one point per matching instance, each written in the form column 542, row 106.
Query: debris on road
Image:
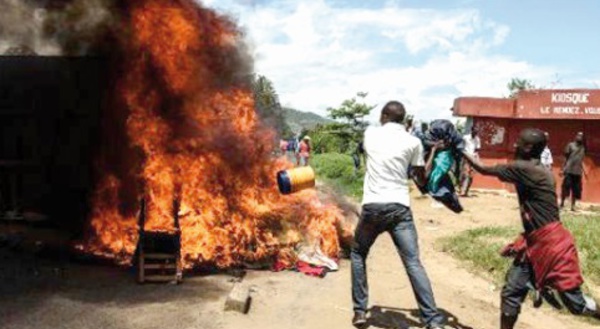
column 239, row 299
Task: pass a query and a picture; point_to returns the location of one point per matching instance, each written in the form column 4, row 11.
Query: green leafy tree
column 268, row 106
column 516, row 85
column 350, row 116
column 324, row 139
column 343, row 135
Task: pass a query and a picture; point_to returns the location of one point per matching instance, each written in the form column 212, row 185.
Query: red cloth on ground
column 552, row 254
column 279, row 266
column 308, row 269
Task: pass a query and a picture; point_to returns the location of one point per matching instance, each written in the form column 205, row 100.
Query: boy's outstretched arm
column 478, row 166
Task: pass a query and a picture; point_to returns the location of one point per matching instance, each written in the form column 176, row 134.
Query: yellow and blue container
column 296, row 179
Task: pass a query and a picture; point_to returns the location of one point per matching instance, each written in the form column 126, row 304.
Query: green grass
column 480, row 247
column 337, row 170
column 586, row 230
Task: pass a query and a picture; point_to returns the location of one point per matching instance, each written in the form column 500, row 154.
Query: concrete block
column 238, row 299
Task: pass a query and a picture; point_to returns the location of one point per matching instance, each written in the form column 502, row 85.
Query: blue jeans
column 397, row 220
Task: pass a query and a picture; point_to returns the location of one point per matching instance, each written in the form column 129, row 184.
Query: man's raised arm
column 478, row 166
column 419, row 175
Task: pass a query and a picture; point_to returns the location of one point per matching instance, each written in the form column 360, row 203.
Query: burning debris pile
column 180, row 128
column 182, row 125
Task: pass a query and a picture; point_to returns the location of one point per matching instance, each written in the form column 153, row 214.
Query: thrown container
column 296, row 179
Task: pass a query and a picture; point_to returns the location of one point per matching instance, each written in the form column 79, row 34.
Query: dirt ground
column 92, row 296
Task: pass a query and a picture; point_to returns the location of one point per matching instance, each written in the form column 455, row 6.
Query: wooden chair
column 159, row 253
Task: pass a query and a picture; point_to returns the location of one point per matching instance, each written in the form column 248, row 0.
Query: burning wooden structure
column 171, row 111
column 159, row 253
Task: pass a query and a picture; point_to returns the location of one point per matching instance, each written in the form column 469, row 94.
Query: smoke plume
column 53, row 28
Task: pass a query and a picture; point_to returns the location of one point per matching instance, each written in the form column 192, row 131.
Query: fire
column 191, row 118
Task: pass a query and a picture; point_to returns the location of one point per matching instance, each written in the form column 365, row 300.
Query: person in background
column 283, row 146
column 424, row 127
column 573, row 170
column 386, row 208
column 472, row 147
column 420, row 133
column 545, row 254
column 414, row 128
column 410, row 128
column 304, row 151
column 356, row 157
column 420, row 130
column 291, row 150
column 546, row 159
column 296, row 150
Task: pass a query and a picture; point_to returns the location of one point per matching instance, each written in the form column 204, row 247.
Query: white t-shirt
column 390, row 150
column 546, row 158
column 472, row 145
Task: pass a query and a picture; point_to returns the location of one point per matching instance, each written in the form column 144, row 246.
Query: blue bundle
column 439, row 184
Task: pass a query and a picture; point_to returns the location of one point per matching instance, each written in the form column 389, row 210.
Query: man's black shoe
column 359, row 320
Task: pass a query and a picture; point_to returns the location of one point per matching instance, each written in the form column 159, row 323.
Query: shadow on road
column 49, row 289
column 396, row 318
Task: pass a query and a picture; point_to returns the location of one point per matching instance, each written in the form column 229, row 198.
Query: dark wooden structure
column 159, row 253
column 50, row 111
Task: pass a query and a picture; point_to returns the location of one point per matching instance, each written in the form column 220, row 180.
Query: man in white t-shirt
column 390, row 150
column 546, row 157
column 472, row 147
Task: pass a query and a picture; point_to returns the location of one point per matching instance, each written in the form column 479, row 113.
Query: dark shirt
column 575, row 154
column 536, row 189
column 360, row 149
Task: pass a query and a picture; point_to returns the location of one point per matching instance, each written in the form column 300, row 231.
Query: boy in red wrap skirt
column 545, row 254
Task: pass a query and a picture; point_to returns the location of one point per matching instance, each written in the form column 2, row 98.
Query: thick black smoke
column 55, row 27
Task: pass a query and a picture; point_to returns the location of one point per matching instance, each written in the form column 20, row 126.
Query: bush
column 338, row 170
column 324, row 140
column 333, row 165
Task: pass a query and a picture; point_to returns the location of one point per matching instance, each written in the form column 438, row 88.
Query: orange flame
column 192, row 117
